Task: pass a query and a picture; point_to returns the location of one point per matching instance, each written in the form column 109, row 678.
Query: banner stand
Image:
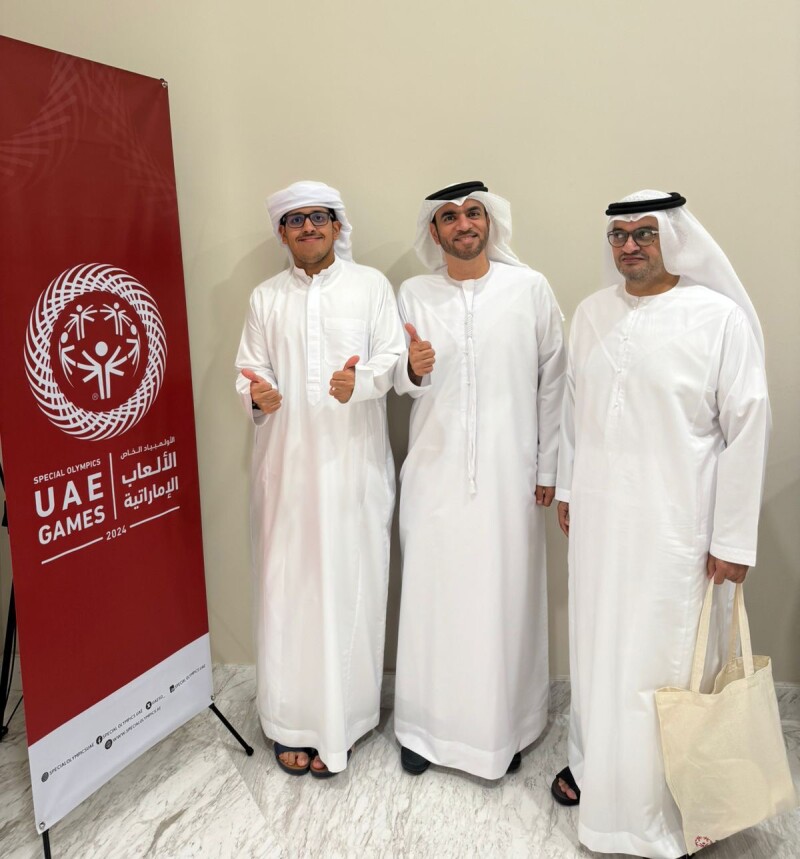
column 97, row 424
column 5, row 682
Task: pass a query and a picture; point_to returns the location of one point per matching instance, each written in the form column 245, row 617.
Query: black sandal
column 558, row 795
column 292, row 769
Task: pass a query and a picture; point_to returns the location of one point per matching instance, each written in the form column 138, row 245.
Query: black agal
column 634, row 207
column 456, row 192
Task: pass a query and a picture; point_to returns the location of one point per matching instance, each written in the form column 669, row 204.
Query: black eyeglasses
column 643, row 236
column 297, row 220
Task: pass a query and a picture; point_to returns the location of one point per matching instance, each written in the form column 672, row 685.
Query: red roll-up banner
column 96, row 421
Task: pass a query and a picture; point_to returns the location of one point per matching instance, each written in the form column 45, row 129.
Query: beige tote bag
column 724, row 756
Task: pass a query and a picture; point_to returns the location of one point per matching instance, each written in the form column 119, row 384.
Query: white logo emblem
column 95, row 351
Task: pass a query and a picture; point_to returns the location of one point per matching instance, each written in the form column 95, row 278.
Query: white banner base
column 74, row 760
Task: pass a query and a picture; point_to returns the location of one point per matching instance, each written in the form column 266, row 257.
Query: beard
column 651, row 270
column 454, row 249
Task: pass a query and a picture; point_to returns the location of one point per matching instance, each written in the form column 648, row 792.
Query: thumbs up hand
column 421, row 356
column 262, row 393
column 343, row 381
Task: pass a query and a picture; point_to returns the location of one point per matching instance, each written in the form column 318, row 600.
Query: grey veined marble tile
column 788, row 695
column 196, row 794
column 182, row 798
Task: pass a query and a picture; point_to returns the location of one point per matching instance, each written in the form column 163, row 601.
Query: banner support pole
column 229, row 726
column 8, row 653
column 10, row 638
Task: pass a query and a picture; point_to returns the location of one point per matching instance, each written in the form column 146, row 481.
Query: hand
column 563, row 516
column 720, row 570
column 262, row 393
column 421, row 356
column 343, row 381
column 545, row 495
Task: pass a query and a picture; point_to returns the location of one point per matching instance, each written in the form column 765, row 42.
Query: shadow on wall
column 230, row 300
column 227, row 465
column 398, row 410
column 773, row 602
column 405, row 263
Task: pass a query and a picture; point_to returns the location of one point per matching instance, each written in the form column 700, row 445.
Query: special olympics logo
column 95, row 351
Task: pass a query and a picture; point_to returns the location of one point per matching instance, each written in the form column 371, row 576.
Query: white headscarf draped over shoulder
column 498, row 247
column 307, row 193
column 688, row 251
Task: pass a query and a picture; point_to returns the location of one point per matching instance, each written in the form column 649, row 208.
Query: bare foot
column 295, row 759
column 566, row 789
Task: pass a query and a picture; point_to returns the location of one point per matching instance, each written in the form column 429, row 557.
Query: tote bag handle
column 740, row 629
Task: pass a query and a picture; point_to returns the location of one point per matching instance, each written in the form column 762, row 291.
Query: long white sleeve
column 566, row 441
column 374, row 378
column 744, row 418
column 253, row 355
column 402, row 382
column 550, row 391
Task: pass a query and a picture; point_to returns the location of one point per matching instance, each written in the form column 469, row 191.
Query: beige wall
column 561, row 107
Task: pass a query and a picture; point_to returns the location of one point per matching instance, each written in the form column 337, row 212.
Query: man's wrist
column 417, row 380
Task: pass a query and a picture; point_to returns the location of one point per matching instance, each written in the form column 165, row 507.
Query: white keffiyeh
column 498, row 247
column 302, row 194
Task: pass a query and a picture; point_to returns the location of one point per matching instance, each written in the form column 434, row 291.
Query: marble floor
column 196, row 794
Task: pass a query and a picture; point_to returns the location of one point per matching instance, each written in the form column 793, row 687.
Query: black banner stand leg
column 229, row 726
column 8, row 653
column 46, row 843
column 10, row 639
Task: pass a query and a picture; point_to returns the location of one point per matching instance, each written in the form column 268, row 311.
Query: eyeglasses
column 643, row 236
column 297, row 220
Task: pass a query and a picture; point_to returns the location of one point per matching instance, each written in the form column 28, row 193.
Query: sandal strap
column 280, row 749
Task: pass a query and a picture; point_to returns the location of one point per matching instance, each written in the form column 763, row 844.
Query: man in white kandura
column 661, row 464
column 472, row 668
column 316, row 358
